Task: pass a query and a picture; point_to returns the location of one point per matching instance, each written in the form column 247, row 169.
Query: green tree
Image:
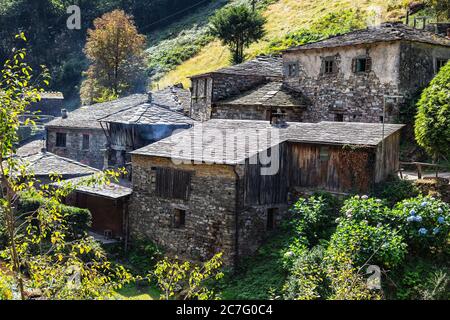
column 116, row 51
column 40, row 254
column 237, row 27
column 184, row 281
column 432, row 128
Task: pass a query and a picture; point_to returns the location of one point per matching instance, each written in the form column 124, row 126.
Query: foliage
column 313, row 217
column 237, row 27
column 306, row 280
column 424, row 222
column 422, row 279
column 347, row 283
column 115, row 50
column 142, row 256
column 432, row 128
column 331, row 24
column 39, row 253
column 6, row 292
column 441, row 8
column 184, row 281
column 365, row 245
column 395, row 190
column 78, row 220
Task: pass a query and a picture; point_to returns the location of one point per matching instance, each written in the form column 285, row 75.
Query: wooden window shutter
column 368, row 64
column 173, row 184
column 354, row 65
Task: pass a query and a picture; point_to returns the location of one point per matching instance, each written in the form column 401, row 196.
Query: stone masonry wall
column 398, row 69
column 210, row 211
column 94, row 157
column 357, row 96
column 218, row 87
column 246, row 112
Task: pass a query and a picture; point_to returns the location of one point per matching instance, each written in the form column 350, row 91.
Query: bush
column 307, row 277
column 371, row 210
column 313, row 217
column 78, row 220
column 143, row 255
column 395, row 190
column 366, row 245
column 424, row 222
column 422, row 279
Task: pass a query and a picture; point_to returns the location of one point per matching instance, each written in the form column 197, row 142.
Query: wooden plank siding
column 346, row 169
column 391, row 162
column 266, row 189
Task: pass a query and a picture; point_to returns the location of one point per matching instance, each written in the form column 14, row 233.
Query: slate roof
column 30, row 148
column 385, row 32
column 269, row 95
column 110, row 191
column 187, row 145
column 45, row 163
column 86, row 117
column 148, row 114
column 267, row 66
column 174, row 98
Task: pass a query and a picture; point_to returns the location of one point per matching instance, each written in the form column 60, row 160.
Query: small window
column 381, row 119
column 324, row 154
column 85, row 144
column 329, row 65
column 361, row 65
column 61, row 140
column 339, row 117
column 293, row 70
column 440, row 63
column 271, row 215
column 179, row 218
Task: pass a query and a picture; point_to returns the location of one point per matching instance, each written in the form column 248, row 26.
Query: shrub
column 313, row 217
column 422, row 279
column 371, row 210
column 143, row 255
column 347, row 283
column 395, row 190
column 424, row 222
column 78, row 220
column 366, row 245
column 306, row 279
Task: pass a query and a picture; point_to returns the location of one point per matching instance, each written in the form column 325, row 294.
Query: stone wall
column 246, row 112
column 210, row 210
column 94, row 157
column 209, row 89
column 398, row 69
column 418, row 66
column 358, row 97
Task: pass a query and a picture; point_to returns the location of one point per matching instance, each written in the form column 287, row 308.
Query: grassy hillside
column 283, row 17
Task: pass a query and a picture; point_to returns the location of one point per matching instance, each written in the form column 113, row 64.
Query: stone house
column 351, row 77
column 369, row 75
column 207, row 89
column 78, row 135
column 211, row 188
column 138, row 126
column 108, row 204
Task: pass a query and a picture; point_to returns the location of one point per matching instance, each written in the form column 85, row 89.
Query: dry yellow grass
column 283, row 17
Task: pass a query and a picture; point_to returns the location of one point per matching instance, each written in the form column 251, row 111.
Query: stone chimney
column 64, row 113
column 150, row 97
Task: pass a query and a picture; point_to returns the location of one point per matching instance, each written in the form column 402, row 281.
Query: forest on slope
column 51, row 43
column 178, row 42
